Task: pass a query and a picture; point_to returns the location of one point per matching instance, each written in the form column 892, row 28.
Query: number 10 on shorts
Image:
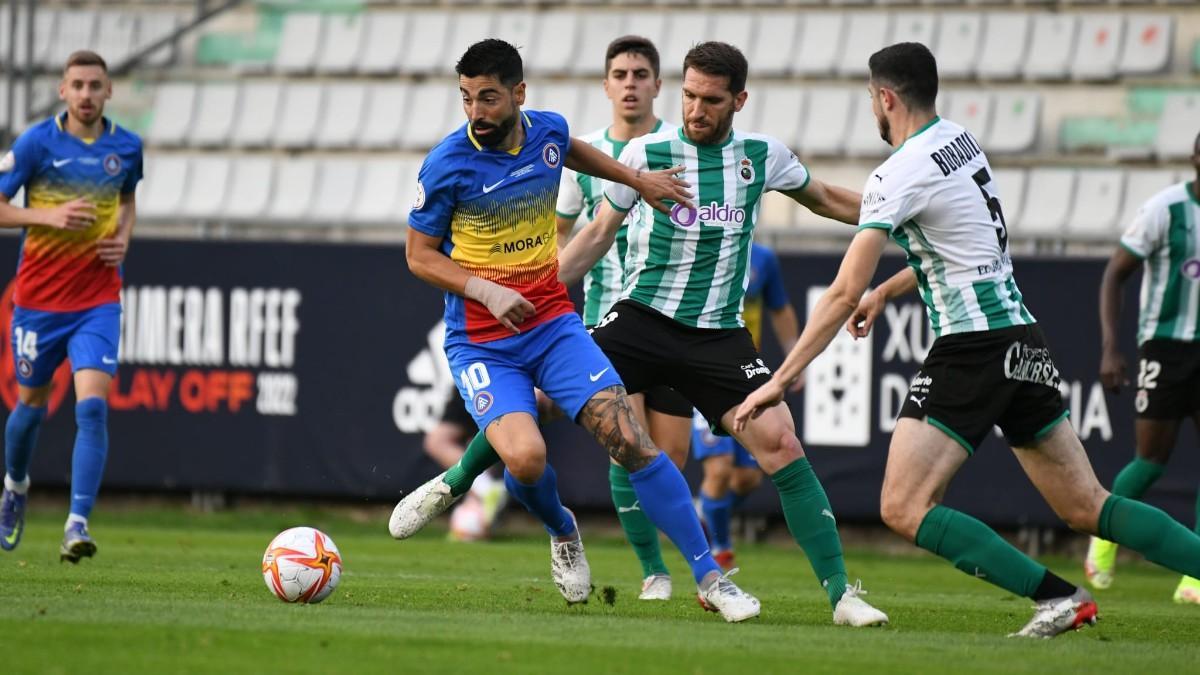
column 474, row 378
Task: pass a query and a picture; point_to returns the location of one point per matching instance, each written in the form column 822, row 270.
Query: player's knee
column 1083, row 515
column 91, row 413
column 900, row 514
column 526, row 461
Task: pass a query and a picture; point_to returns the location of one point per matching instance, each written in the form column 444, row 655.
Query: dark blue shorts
column 707, row 444
column 41, row 340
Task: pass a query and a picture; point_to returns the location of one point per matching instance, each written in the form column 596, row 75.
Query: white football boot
column 421, row 506
column 569, row 567
column 852, row 610
column 656, row 587
column 723, row 596
column 1059, row 615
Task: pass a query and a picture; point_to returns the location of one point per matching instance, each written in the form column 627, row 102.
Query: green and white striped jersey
column 1166, row 234
column 936, row 197
column 693, row 265
column 580, row 193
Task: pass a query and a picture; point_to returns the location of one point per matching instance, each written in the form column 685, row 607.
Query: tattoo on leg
column 610, row 418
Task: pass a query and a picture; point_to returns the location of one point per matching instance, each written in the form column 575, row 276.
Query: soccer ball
column 302, row 564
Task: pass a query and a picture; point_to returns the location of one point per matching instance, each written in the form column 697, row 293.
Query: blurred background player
column 631, row 82
column 79, row 171
column 445, row 443
column 730, row 472
column 1164, row 239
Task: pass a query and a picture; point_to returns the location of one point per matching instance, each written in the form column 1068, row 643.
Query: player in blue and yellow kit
column 730, row 472
column 79, row 171
column 483, row 229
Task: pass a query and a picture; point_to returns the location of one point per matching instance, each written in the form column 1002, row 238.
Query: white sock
column 75, row 518
column 13, row 486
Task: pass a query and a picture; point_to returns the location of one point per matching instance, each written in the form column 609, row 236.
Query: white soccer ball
column 302, row 564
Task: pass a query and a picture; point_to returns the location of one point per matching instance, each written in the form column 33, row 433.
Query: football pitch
column 172, row 591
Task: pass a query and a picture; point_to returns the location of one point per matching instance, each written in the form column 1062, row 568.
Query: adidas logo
column 418, row 406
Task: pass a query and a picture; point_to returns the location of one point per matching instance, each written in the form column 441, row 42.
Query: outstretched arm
column 830, row 201
column 589, row 244
column 654, row 186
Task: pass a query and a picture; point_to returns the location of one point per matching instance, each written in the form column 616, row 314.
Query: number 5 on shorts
column 474, row 378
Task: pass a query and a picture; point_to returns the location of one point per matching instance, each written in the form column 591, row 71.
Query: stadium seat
column 207, row 186
column 115, row 35
column 670, row 102
column 773, row 49
column 1098, row 194
column 379, row 193
column 780, row 113
column 807, row 222
column 1178, row 126
column 430, row 115
column 1147, row 46
column 863, row 139
column 1011, row 183
column 555, row 56
column 684, row 29
column 295, row 185
column 826, row 121
column 1051, row 46
column 518, row 27
column 1015, row 118
column 337, row 191
column 957, row 44
column 736, row 28
column 564, row 98
column 427, row 35
column 258, row 111
column 1005, row 39
column 249, row 188
column 1099, row 44
column 342, row 117
column 866, row 33
column 777, row 212
column 600, row 28
column 384, row 120
column 653, row 27
column 300, row 110
column 153, row 27
column 385, row 36
column 344, row 37
column 1048, row 199
column 216, row 105
column 595, row 112
column 407, row 192
column 75, row 30
column 466, row 29
column 971, row 108
column 1140, row 186
column 913, row 27
column 299, row 43
column 820, row 44
column 173, row 106
column 166, row 181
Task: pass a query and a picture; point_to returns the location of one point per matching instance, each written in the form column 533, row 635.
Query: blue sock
column 667, row 502
column 716, row 514
column 20, row 437
column 91, row 449
column 542, row 500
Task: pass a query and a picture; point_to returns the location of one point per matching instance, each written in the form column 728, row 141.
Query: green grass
column 176, row 592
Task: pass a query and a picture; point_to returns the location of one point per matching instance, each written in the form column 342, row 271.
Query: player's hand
column 798, row 384
column 1113, row 371
column 766, row 396
column 869, row 308
column 508, row 306
column 77, row 214
column 665, row 185
column 112, row 251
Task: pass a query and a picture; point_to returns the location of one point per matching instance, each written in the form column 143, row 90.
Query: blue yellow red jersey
column 59, row 270
column 494, row 211
column 765, row 287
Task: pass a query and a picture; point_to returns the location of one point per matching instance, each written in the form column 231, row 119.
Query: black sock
column 1053, row 586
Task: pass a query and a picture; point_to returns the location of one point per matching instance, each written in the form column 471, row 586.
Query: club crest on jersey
column 746, row 170
column 551, row 155
column 24, row 367
column 112, row 164
column 483, row 402
column 1191, row 269
column 419, row 201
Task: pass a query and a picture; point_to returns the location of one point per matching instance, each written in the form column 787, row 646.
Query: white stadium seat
column 337, row 191
column 1147, row 46
column 1015, row 118
column 913, row 27
column 863, row 138
column 599, row 29
column 564, row 98
column 1005, row 39
column 517, row 27
column 426, row 42
column 1098, row 46
column 386, row 35
column 174, row 104
column 301, row 108
column 1011, row 184
column 215, row 110
column 825, row 122
column 773, row 51
column 866, row 33
column 407, row 193
column 1048, row 200
column 780, row 113
column 1140, row 186
column 808, row 222
column 76, row 30
column 156, row 26
column 258, row 111
column 554, row 55
column 1098, row 195
column 342, row 119
column 249, row 188
column 736, row 28
column 166, row 180
column 379, row 193
column 684, row 29
column 1051, row 46
column 971, row 108
column 466, row 29
column 596, row 110
column 207, row 186
column 299, row 42
column 1178, row 126
column 430, row 116
column 957, row 44
column 820, row 44
column 344, row 38
column 295, row 183
column 385, row 118
column 114, row 35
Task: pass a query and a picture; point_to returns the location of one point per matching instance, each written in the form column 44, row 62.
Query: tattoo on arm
column 609, row 417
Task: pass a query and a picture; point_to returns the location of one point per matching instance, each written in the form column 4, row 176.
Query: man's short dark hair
column 719, row 59
column 909, row 69
column 492, row 57
column 632, row 44
column 84, row 57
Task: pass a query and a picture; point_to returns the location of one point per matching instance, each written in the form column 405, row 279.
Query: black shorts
column 662, row 398
column 455, row 412
column 973, row 381
column 713, row 368
column 1168, row 381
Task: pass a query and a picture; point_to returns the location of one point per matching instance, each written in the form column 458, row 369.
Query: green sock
column 479, row 457
column 810, row 520
column 1150, row 532
column 976, row 549
column 640, row 532
column 1136, row 478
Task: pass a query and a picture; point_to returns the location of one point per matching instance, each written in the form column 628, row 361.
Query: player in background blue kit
column 79, row 171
